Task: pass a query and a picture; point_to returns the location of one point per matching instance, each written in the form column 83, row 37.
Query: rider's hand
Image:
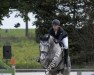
column 58, row 41
column 61, row 44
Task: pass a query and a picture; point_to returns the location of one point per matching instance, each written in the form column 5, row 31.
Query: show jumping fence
column 79, row 71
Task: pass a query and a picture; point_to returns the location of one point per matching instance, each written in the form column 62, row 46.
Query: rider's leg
column 65, row 43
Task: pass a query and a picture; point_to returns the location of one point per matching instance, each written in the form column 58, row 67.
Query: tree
column 4, row 9
column 46, row 11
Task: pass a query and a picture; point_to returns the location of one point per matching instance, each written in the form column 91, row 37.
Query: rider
column 62, row 37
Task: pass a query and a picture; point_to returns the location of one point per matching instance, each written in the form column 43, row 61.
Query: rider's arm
column 63, row 34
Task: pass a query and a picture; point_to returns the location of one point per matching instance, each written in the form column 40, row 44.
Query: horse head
column 44, row 46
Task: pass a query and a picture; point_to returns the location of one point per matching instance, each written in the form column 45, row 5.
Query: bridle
column 45, row 45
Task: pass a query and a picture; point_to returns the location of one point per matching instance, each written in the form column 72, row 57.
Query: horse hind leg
column 53, row 73
column 56, row 73
column 66, row 71
column 60, row 73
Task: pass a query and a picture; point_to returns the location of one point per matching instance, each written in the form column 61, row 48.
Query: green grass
column 25, row 50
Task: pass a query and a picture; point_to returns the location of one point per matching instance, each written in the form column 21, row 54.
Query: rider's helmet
column 55, row 22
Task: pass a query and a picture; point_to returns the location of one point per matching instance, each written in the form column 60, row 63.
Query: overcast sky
column 9, row 23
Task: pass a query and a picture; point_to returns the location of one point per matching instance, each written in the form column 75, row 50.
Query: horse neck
column 52, row 43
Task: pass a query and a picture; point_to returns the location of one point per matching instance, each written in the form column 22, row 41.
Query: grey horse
column 52, row 56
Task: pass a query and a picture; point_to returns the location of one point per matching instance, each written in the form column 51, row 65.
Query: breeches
column 65, row 42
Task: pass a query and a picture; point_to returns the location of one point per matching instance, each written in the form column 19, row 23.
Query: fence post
column 79, row 73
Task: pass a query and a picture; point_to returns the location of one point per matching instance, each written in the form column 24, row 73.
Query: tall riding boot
column 66, row 57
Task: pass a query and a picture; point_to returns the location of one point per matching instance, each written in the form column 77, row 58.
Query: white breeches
column 65, row 42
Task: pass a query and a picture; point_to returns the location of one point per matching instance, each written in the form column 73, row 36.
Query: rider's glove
column 58, row 41
column 61, row 44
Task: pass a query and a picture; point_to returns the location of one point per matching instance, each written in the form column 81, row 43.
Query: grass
column 25, row 50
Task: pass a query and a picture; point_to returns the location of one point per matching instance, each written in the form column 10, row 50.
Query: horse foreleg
column 60, row 73
column 66, row 71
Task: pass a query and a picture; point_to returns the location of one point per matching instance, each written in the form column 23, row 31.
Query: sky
column 9, row 23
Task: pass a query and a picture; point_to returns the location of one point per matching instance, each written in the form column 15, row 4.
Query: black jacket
column 61, row 33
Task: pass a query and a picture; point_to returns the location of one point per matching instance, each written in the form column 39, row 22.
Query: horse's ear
column 45, row 37
column 41, row 38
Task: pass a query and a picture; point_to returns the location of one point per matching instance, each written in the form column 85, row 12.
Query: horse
column 52, row 56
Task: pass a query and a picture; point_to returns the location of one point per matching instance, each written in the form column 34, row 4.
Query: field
column 25, row 50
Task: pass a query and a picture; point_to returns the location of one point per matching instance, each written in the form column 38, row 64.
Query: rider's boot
column 65, row 58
